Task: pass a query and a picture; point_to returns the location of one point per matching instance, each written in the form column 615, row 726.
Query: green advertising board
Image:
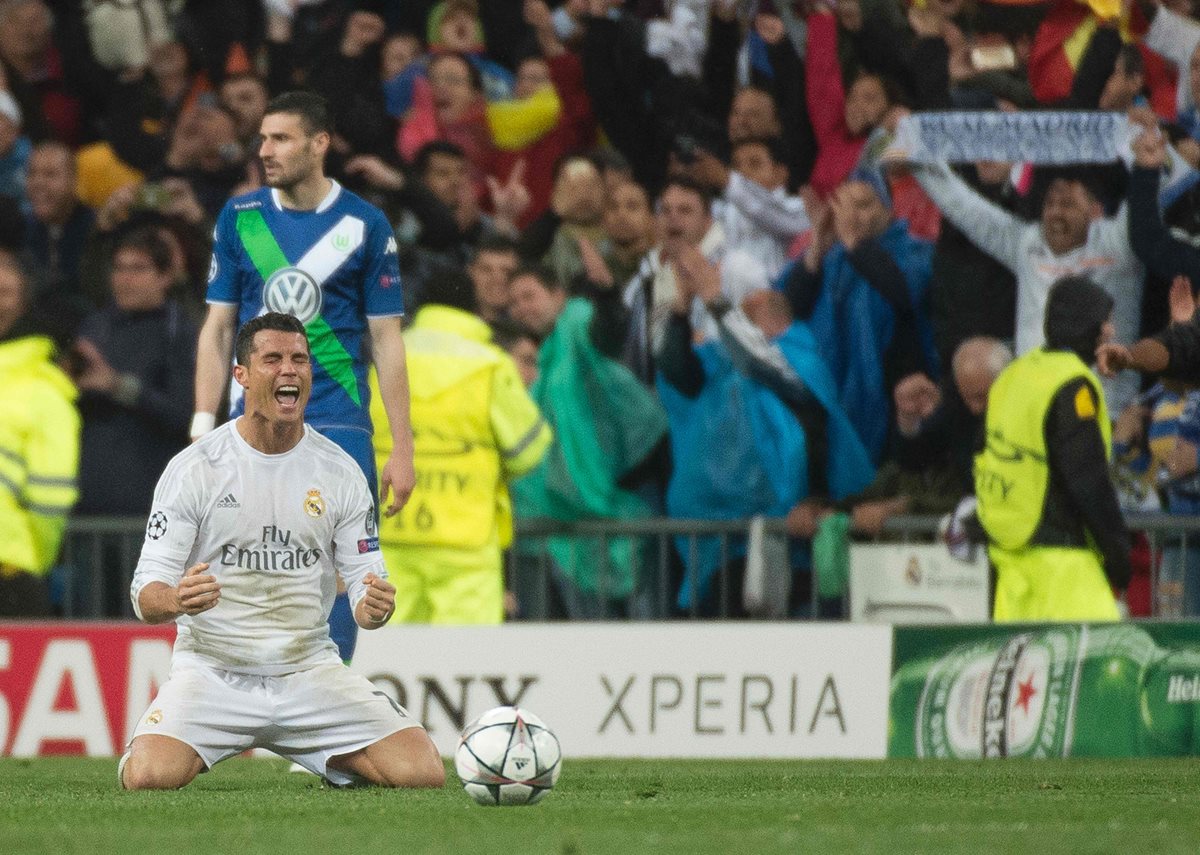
column 1050, row 690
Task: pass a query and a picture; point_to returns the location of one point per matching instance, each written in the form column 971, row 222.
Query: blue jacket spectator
column 755, row 428
column 862, row 286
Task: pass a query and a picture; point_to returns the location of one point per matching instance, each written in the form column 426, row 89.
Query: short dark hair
column 506, row 333
column 312, row 109
column 473, row 72
column 760, row 90
column 146, row 240
column 450, row 286
column 775, row 147
column 59, row 146
column 277, row 321
column 496, row 243
column 426, row 152
column 1076, row 311
column 640, row 188
column 541, row 273
column 891, row 90
column 1084, row 176
column 609, row 158
column 239, row 76
column 689, row 186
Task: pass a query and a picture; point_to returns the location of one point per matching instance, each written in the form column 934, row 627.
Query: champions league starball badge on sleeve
column 156, row 526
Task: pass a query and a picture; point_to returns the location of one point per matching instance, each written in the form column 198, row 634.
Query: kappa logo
column 390, row 248
column 229, row 501
column 293, row 292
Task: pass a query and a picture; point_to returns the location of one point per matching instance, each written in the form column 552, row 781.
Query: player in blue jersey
column 306, row 246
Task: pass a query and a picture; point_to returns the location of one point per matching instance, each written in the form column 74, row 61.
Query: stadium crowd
column 679, row 217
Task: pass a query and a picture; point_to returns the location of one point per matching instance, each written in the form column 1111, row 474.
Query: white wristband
column 202, row 423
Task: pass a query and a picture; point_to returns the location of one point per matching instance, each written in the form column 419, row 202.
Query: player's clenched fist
column 198, row 592
column 377, row 604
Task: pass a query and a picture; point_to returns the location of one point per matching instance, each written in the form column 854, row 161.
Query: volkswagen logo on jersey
column 293, row 292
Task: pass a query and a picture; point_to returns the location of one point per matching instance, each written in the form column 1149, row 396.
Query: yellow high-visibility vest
column 475, row 428
column 1012, row 473
column 39, row 454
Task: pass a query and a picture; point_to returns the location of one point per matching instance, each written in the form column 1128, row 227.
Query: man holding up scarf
column 1072, row 236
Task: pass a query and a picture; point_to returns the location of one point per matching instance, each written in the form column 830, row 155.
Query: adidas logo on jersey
column 228, row 501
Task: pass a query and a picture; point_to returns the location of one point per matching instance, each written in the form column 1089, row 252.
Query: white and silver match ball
column 508, row 756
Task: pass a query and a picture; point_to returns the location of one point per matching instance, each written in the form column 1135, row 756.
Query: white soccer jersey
column 273, row 528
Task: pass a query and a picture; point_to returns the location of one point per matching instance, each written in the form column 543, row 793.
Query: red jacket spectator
column 837, row 150
column 576, row 129
column 444, row 109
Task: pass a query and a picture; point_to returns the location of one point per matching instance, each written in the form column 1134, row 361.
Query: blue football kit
column 333, row 268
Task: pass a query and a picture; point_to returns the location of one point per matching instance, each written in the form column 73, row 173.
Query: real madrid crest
column 314, row 505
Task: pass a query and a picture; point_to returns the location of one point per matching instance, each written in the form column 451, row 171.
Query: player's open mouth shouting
column 287, row 395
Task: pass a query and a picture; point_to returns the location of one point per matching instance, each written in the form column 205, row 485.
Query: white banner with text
column 649, row 690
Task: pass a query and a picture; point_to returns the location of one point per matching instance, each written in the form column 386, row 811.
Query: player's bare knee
column 137, row 779
column 144, row 774
column 409, row 759
column 417, row 775
column 427, row 766
column 437, row 769
column 429, row 775
column 427, row 763
column 159, row 763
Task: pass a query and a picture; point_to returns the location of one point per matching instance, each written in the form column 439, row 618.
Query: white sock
column 121, row 769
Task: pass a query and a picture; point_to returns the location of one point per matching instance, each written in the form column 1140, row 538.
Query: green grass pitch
column 245, row 806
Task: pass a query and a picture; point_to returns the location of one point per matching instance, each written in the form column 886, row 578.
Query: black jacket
column 126, row 446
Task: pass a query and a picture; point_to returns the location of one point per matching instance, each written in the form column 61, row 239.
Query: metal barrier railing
column 663, row 553
column 100, row 553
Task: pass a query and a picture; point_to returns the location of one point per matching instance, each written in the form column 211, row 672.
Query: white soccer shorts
column 307, row 716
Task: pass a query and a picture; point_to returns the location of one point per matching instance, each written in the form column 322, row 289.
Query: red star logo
column 1025, row 692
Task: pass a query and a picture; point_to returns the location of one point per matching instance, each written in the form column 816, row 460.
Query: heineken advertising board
column 1050, row 690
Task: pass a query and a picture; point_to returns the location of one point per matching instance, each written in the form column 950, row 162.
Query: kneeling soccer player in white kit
column 259, row 512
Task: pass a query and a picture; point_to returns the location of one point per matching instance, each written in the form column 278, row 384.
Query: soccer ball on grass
column 508, row 756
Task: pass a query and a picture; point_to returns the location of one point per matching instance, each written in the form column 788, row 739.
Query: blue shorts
column 357, row 443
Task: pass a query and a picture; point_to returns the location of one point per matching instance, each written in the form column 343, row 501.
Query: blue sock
column 342, row 627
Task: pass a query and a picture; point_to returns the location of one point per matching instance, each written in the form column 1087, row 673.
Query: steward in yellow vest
column 1056, row 535
column 39, row 452
column 475, row 428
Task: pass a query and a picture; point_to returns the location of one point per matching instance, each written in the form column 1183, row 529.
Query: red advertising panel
column 77, row 688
